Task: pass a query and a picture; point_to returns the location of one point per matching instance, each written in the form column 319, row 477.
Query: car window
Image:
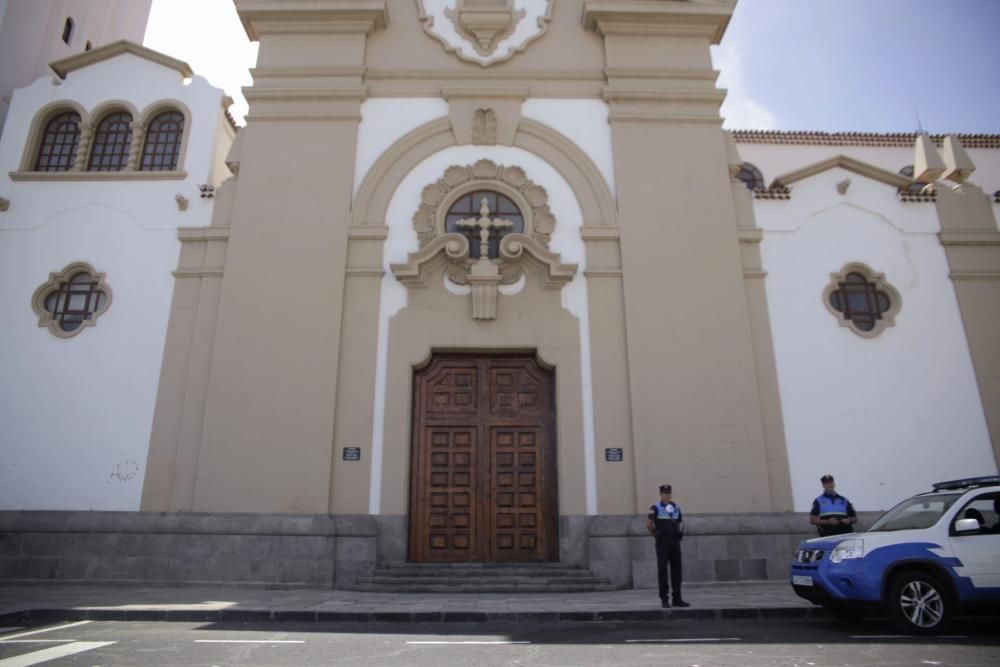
column 916, row 513
column 984, row 508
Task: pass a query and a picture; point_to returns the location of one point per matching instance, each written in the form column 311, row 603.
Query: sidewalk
column 34, row 603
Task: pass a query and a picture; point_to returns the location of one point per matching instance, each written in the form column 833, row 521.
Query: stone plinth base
column 331, row 551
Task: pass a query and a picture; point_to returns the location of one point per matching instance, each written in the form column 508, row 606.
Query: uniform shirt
column 668, row 519
column 833, row 507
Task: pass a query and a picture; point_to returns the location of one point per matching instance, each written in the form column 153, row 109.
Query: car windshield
column 916, row 513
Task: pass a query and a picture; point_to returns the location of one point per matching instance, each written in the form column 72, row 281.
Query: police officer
column 666, row 524
column 832, row 513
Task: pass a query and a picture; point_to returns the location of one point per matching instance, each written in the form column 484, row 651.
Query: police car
column 929, row 557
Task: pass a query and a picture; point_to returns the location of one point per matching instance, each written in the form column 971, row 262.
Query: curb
column 386, row 617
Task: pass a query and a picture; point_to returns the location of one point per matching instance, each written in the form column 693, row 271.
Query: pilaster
column 695, row 398
column 273, row 383
column 971, row 240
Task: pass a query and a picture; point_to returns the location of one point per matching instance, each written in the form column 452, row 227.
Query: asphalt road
column 804, row 643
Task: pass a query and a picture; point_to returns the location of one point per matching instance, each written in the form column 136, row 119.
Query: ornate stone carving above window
column 457, row 181
column 487, row 242
column 862, row 300
column 485, row 22
column 485, row 32
column 71, row 300
column 484, row 127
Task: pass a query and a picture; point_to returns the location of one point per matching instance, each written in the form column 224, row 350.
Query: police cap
column 665, row 488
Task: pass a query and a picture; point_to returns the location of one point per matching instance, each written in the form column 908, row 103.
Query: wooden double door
column 483, row 472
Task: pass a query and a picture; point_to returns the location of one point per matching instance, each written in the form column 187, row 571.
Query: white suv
column 927, row 558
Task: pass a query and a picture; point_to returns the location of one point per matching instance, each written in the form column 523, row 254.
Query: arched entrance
column 483, row 473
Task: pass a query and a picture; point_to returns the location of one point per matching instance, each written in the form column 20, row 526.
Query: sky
column 829, row 65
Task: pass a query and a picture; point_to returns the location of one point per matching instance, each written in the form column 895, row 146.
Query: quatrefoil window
column 862, row 300
column 467, row 211
column 71, row 300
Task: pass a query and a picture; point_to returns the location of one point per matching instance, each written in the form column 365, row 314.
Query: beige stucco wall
column 679, row 355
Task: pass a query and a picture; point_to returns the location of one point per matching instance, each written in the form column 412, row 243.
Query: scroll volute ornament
column 485, row 22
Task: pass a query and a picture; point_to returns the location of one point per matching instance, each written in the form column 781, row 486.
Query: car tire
column 919, row 603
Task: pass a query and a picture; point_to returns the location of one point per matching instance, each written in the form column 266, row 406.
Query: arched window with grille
column 914, row 188
column 862, row 300
column 112, row 142
column 71, row 300
column 751, row 176
column 57, row 151
column 470, row 212
column 162, row 147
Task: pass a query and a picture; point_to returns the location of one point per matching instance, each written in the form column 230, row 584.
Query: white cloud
column 208, row 36
column 740, row 110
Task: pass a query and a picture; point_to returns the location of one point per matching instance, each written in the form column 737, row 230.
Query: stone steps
column 397, row 577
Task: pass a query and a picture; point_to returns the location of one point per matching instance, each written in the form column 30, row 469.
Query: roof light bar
column 966, row 483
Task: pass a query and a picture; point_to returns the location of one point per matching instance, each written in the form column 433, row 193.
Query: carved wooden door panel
column 483, row 484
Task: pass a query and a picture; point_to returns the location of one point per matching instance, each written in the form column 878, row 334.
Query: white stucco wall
column 886, row 416
column 75, row 413
column 585, row 123
column 774, row 160
column 386, row 120
column 402, row 239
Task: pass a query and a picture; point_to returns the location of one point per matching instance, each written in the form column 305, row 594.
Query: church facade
column 611, row 331
column 487, row 272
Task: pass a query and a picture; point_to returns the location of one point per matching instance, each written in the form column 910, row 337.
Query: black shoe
column 665, row 604
column 681, row 603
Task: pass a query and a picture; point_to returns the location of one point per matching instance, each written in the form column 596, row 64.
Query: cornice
column 97, row 175
column 457, row 92
column 305, row 93
column 209, row 233
column 623, row 94
column 304, row 116
column 368, row 232
column 658, row 73
column 970, row 238
column 66, row 65
column 665, row 117
column 848, row 163
column 277, row 17
column 487, row 74
column 600, row 233
column 305, row 72
column 698, row 18
column 197, row 273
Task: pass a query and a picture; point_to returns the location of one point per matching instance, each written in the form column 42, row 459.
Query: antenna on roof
column 920, row 128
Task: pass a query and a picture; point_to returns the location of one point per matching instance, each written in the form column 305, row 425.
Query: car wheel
column 919, row 604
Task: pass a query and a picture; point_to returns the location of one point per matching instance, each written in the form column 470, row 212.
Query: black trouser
column 668, row 551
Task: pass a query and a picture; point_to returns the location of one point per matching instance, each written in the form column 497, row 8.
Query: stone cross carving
column 484, row 275
column 485, row 224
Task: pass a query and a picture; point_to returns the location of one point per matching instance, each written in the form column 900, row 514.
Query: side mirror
column 967, row 526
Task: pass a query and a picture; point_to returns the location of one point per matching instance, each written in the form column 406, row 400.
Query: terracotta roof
column 917, row 197
column 890, row 140
column 779, row 192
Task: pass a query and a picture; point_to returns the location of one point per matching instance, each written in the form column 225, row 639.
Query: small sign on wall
column 352, row 453
column 613, row 454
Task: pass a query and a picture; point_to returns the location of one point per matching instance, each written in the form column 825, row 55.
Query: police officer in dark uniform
column 666, row 523
column 832, row 513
